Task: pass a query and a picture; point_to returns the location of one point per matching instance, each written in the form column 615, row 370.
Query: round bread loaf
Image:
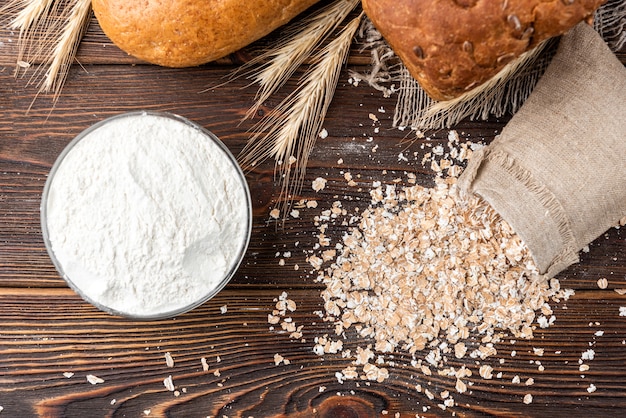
column 453, row 46
column 184, row 33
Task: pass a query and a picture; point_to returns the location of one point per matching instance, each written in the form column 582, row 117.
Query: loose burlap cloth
column 557, row 172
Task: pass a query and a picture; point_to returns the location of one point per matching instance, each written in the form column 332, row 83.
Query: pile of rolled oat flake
column 427, row 272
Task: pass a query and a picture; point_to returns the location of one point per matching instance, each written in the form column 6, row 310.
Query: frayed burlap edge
column 568, row 253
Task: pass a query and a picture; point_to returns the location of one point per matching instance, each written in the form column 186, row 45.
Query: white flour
column 146, row 215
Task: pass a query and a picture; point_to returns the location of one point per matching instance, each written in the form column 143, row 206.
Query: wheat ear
column 506, row 90
column 50, row 32
column 502, row 77
column 271, row 69
column 288, row 133
column 65, row 49
column 28, row 13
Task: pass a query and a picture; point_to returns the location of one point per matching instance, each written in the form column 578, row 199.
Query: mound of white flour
column 146, row 215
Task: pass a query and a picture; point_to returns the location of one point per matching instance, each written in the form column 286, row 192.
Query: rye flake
column 426, row 268
column 426, row 264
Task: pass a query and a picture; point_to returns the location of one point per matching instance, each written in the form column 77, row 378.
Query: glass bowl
column 141, row 226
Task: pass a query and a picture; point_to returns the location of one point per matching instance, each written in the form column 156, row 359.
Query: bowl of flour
column 146, row 215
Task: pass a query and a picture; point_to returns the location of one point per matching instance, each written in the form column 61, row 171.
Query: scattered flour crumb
column 169, row 361
column 169, row 383
column 275, row 213
column 94, row 380
column 588, row 355
column 280, row 359
column 319, row 184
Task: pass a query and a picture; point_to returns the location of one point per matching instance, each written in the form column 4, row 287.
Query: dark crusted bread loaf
column 452, row 46
column 183, row 33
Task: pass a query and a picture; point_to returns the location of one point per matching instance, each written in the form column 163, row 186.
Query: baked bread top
column 453, row 46
column 184, row 33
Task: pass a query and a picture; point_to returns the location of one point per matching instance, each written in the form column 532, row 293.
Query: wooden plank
column 32, row 140
column 47, row 332
column 46, row 329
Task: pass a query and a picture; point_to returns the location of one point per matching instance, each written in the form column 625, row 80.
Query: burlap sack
column 557, row 172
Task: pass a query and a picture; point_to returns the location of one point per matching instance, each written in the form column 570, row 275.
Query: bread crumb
column 205, row 365
column 68, row 374
column 275, row 213
column 223, row 309
column 592, row 388
column 622, row 311
column 603, row 283
column 323, row 134
column 528, row 398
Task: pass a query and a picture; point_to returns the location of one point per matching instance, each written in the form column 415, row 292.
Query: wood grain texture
column 45, row 333
column 47, row 330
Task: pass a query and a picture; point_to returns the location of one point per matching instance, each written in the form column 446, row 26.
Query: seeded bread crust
column 184, row 33
column 452, row 46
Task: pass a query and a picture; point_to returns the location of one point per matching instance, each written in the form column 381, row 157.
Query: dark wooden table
column 46, row 330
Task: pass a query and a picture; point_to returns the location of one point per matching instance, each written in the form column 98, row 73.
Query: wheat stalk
column 294, row 125
column 50, row 32
column 27, row 14
column 65, row 49
column 282, row 60
column 483, row 91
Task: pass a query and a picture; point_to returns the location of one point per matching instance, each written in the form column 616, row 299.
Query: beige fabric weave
column 557, row 172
